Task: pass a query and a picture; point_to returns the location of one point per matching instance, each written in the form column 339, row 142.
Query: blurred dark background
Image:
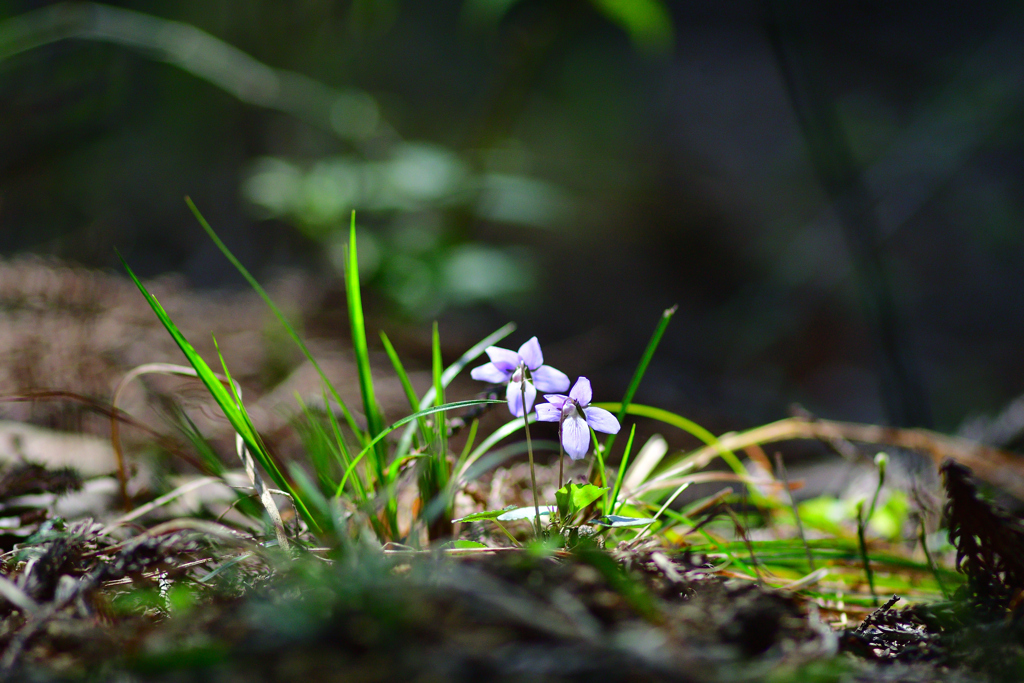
column 831, row 192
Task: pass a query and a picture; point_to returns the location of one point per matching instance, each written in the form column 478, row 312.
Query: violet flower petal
column 531, row 396
column 490, row 373
column 581, row 392
column 503, row 359
column 546, row 378
column 548, row 412
column 601, row 420
column 531, row 354
column 575, row 436
column 514, row 396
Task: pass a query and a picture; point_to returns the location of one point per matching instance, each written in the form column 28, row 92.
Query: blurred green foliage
column 838, row 517
column 417, row 193
column 421, row 196
column 512, row 155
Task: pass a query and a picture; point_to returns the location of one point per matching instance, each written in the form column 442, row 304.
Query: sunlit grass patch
column 358, row 470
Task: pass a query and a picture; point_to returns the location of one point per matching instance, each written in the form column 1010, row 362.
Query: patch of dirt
column 514, row 617
column 78, row 332
column 187, row 598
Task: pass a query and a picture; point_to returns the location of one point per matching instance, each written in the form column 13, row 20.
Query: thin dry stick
column 714, row 475
column 243, row 452
column 221, row 532
column 876, row 616
column 103, row 409
column 707, row 504
column 746, row 540
column 162, row 500
column 115, row 429
column 990, row 464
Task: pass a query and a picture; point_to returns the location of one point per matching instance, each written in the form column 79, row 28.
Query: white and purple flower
column 524, row 369
column 576, row 417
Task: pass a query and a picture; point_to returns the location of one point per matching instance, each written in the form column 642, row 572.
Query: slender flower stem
column 529, row 451
column 561, row 454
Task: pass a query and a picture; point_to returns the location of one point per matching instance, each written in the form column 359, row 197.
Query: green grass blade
column 468, row 447
column 688, row 426
column 495, row 458
column 433, row 470
column 641, row 369
column 276, row 311
column 206, row 375
column 224, row 398
column 268, row 462
column 451, row 372
column 622, row 471
column 507, row 429
column 317, row 443
column 343, row 450
column 403, row 377
column 468, row 357
column 406, row 420
column 598, row 464
column 374, row 422
column 199, row 442
column 713, row 544
column 437, row 370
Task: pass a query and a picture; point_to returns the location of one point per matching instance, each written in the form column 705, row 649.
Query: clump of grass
column 353, row 461
column 357, row 460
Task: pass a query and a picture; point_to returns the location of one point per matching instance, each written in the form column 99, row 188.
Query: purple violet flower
column 576, row 417
column 516, row 368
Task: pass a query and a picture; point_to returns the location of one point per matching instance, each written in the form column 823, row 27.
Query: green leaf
column 460, row 544
column 483, row 516
column 617, row 521
column 826, row 513
column 524, row 513
column 572, row 498
column 647, row 22
column 563, row 501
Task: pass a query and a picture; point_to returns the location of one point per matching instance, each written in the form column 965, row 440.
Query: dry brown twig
column 994, row 466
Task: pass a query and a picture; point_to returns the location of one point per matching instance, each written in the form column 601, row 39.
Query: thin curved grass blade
column 451, row 372
column 641, row 369
column 276, row 311
column 688, row 426
column 232, row 409
column 405, row 420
